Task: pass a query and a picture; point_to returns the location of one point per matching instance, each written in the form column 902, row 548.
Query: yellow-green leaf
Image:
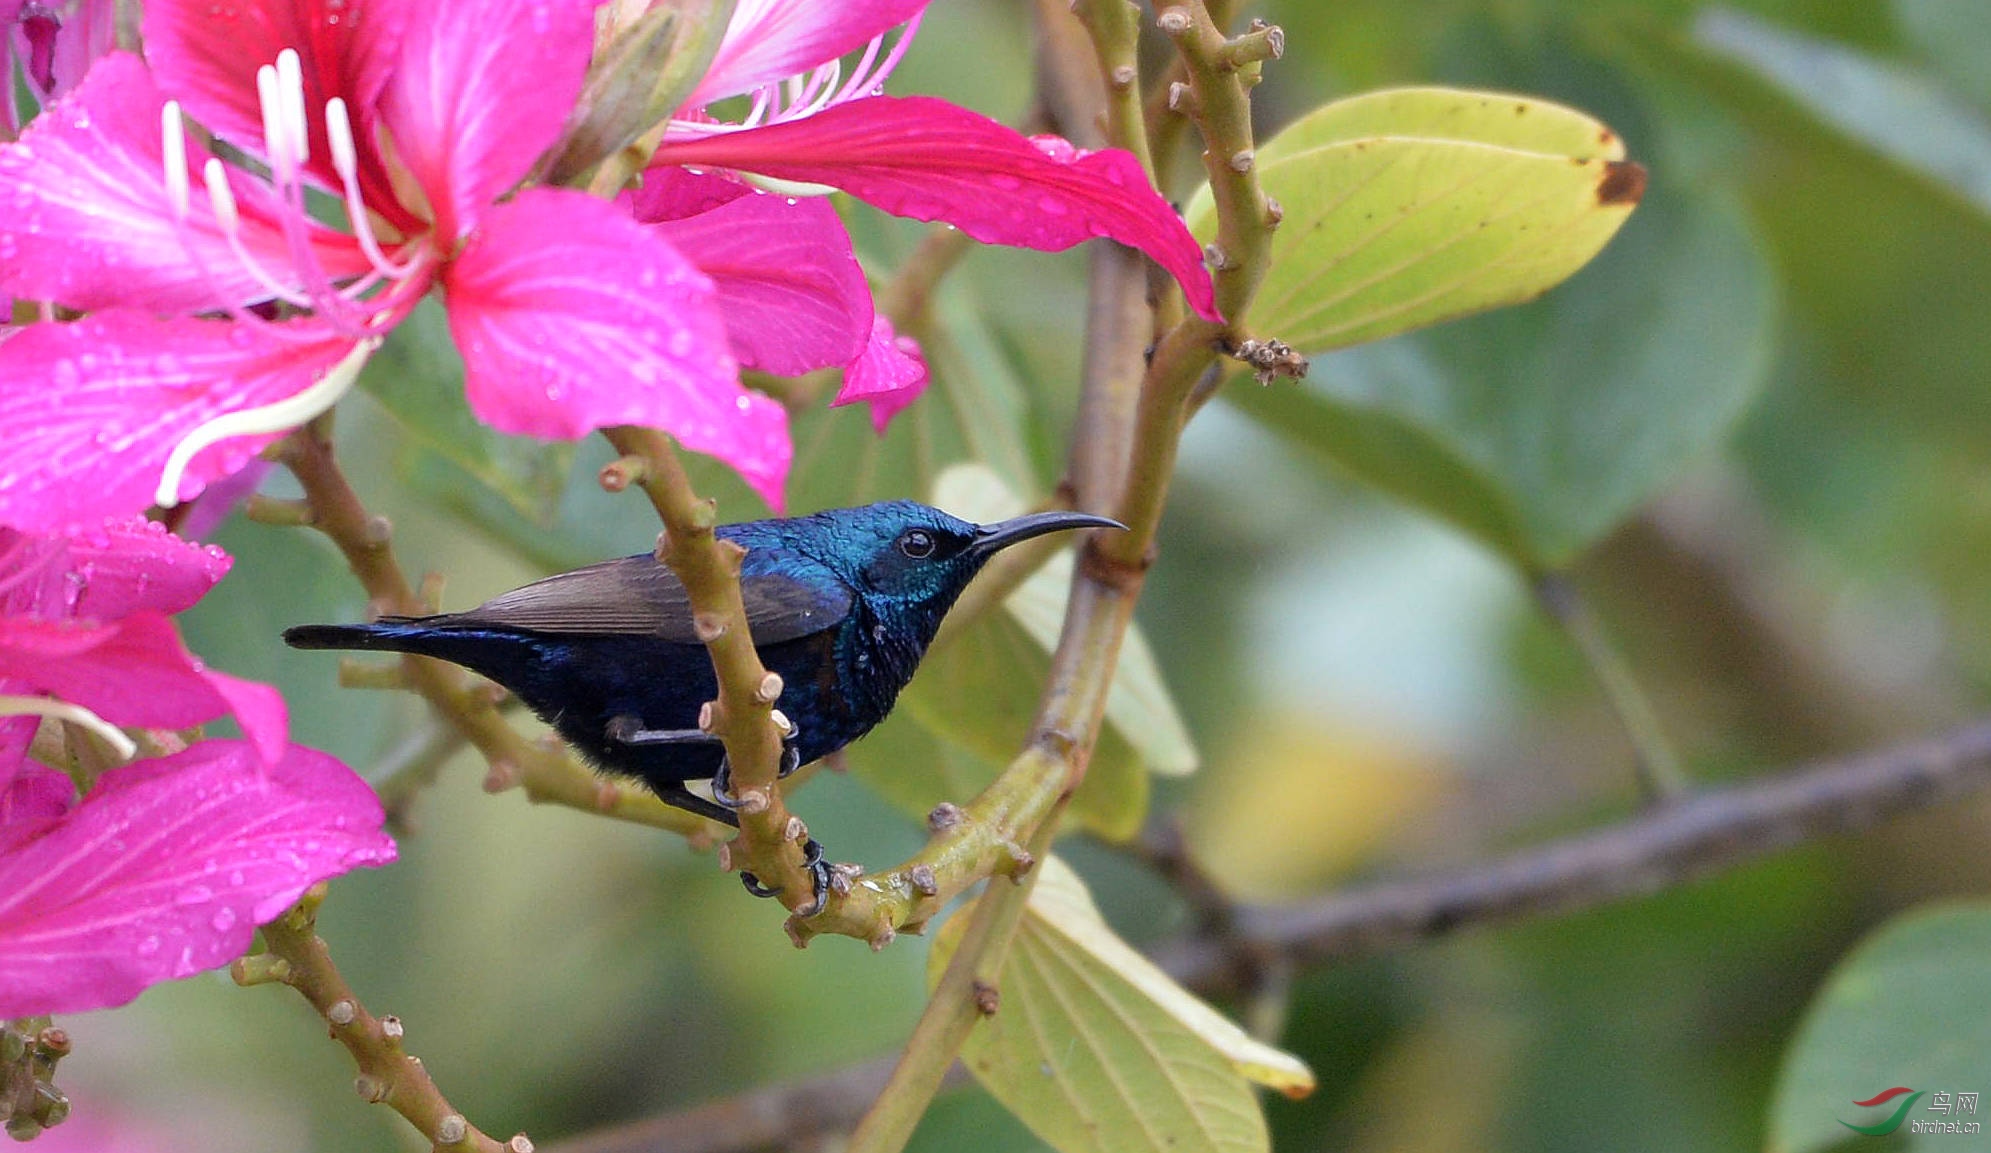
column 1138, row 703
column 1512, row 121
column 1396, row 229
column 1095, row 1049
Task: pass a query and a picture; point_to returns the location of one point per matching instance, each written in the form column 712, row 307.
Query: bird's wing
column 638, row 595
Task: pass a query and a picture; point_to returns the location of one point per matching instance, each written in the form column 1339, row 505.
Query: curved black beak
column 992, row 538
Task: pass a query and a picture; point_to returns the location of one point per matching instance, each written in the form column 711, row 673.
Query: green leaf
column 1896, row 111
column 1096, row 1049
column 418, row 377
column 1138, row 704
column 1539, row 429
column 1391, row 229
column 1955, row 35
column 1523, row 122
column 1909, row 1006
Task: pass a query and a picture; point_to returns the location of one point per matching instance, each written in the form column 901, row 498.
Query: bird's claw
column 722, row 778
column 818, row 868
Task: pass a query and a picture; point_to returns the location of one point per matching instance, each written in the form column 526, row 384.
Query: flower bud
column 647, row 60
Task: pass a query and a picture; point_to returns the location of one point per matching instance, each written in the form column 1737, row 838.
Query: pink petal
column 32, row 793
column 769, row 40
column 482, row 87
column 259, row 709
column 26, row 791
column 890, row 373
column 89, row 223
column 132, row 672
column 572, row 317
column 89, row 411
column 670, row 193
column 167, row 867
column 124, row 566
column 925, row 158
column 117, row 568
column 207, row 54
column 790, row 288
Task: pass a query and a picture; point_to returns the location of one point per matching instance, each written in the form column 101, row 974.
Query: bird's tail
column 393, row 635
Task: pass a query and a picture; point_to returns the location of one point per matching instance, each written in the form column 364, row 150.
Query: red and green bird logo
column 1882, row 1129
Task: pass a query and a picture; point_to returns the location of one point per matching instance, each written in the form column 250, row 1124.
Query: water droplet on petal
column 224, row 920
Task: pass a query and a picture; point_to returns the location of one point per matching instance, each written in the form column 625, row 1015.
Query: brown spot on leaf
column 1606, row 137
column 1520, row 110
column 1623, row 183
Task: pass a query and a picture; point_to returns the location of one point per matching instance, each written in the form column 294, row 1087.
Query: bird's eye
column 917, row 544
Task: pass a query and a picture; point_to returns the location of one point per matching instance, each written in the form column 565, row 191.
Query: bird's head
column 914, row 559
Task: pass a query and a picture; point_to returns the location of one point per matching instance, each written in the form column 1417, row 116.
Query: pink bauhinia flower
column 86, row 636
column 569, row 314
column 166, row 865
column 419, row 116
column 811, row 129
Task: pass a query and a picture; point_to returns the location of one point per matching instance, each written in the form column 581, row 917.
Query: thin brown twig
column 1656, row 851
column 1663, row 848
column 388, row 1074
column 545, row 770
column 775, row 1117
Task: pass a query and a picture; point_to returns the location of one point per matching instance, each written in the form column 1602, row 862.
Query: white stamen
column 271, row 106
column 339, row 131
column 285, row 414
column 173, row 139
column 807, row 93
column 345, row 161
column 863, row 65
column 221, row 196
column 229, row 219
column 290, row 86
column 763, row 101
column 11, row 706
column 785, row 187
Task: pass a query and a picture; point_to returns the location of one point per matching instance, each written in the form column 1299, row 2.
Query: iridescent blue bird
column 842, row 604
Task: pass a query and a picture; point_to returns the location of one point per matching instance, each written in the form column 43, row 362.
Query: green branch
column 543, row 769
column 388, row 1075
column 743, row 715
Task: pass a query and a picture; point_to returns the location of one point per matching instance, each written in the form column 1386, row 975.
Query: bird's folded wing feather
column 638, row 595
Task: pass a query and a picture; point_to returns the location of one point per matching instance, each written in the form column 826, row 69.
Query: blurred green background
column 1371, row 691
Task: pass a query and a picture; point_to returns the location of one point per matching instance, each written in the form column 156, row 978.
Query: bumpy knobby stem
column 968, row 991
column 1115, row 26
column 1168, row 104
column 388, row 1075
column 30, row 1048
column 982, row 835
column 743, row 715
column 1128, row 472
column 544, row 769
column 1246, row 218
